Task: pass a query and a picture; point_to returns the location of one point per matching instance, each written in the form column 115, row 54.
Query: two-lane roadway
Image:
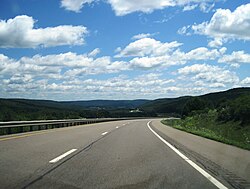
column 119, row 154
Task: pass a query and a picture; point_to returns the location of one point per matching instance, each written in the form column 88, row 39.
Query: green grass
column 206, row 125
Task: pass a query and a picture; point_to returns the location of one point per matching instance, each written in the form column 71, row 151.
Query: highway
column 120, row 154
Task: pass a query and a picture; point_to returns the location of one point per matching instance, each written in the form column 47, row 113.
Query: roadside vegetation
column 228, row 121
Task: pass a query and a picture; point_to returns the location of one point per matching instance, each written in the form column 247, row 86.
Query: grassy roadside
column 206, row 125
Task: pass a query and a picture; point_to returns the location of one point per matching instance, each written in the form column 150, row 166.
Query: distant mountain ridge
column 26, row 109
column 108, row 104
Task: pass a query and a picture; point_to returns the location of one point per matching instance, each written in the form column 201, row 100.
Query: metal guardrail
column 27, row 126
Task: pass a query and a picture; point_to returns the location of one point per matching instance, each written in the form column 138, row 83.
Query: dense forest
column 228, row 110
column 175, row 106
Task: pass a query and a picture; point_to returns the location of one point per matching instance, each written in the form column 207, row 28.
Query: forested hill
column 26, row 109
column 230, row 94
column 175, row 106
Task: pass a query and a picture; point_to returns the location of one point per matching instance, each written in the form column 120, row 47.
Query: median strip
column 198, row 168
column 62, row 156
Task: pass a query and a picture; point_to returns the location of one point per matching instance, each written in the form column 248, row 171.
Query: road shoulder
column 228, row 163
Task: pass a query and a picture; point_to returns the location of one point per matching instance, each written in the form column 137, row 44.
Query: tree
column 194, row 104
column 236, row 110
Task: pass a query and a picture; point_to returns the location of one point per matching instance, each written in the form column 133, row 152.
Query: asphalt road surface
column 120, row 154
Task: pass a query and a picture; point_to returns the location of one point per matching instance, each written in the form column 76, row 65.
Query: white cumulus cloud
column 74, row 5
column 148, row 46
column 209, row 73
column 150, row 53
column 202, row 53
column 148, row 62
column 124, row 7
column 59, row 66
column 226, row 25
column 94, row 52
column 189, row 7
column 19, row 32
column 143, row 35
column 246, row 81
column 235, row 58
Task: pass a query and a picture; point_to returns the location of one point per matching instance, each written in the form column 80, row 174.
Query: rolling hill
column 26, row 109
column 174, row 106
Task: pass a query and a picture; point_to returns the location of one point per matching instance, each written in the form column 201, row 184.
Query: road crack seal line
column 213, row 168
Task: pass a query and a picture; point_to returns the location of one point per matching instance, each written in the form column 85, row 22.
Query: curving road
column 120, row 154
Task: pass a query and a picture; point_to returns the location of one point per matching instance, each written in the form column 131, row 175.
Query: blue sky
column 117, row 49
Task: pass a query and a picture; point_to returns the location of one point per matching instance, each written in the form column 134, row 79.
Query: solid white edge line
column 198, row 168
column 62, row 156
column 104, row 133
